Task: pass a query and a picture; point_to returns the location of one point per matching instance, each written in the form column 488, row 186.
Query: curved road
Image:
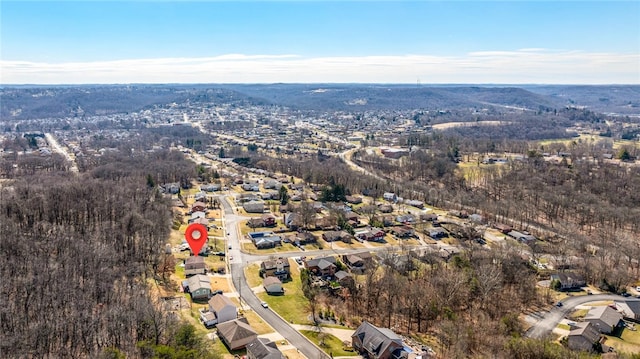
column 551, row 319
column 293, row 336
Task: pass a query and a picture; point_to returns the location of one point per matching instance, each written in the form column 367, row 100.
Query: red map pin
column 196, row 236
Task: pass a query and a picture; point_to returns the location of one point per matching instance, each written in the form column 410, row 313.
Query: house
column 263, row 348
column 372, row 235
column 332, row 236
column 265, row 239
column 352, row 218
column 405, row 218
column 268, row 220
column 253, row 206
column 385, row 208
column 583, row 337
column 429, row 217
column 223, row 308
column 502, row 227
column 237, row 333
column 198, row 286
column 323, row 266
column 345, row 279
column 415, row 203
column 273, row 286
column 210, row 188
column 293, row 221
column 477, row 218
column 353, row 199
column 278, row 268
column 198, row 207
column 196, row 215
column 357, row 262
column 272, row 184
column 630, row 309
column 604, row 318
column 403, row 231
column 305, row 238
column 568, row 280
column 391, row 197
column 437, row 233
column 255, row 222
column 377, row 343
column 194, row 265
column 522, row 237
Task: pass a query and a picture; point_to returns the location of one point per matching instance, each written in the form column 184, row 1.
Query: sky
column 471, row 42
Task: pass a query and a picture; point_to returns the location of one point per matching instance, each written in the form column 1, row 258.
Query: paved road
column 240, row 282
column 551, row 318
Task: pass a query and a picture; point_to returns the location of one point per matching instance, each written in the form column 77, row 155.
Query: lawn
column 252, row 273
column 284, row 248
column 293, row 305
column 259, row 325
column 331, row 345
column 578, row 314
column 628, row 341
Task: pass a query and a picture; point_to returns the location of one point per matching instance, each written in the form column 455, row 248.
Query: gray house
column 604, row 318
column 273, row 286
column 262, row 348
column 630, row 309
column 583, row 337
column 254, row 206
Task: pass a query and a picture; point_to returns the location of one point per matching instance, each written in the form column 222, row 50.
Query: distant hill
column 389, row 97
column 621, row 99
column 24, row 102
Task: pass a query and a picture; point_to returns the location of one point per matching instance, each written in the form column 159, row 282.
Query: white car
column 638, row 288
column 264, row 305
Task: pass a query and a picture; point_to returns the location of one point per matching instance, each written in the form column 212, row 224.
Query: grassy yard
column 259, row 325
column 330, row 344
column 252, row 273
column 578, row 314
column 284, row 248
column 627, row 341
column 293, row 305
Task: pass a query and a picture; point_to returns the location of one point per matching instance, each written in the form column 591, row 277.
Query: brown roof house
column 278, row 268
column 263, row 348
column 237, row 333
column 332, row 236
column 223, row 308
column 273, row 286
column 604, row 318
column 323, row 266
column 377, row 343
column 194, row 265
column 357, row 262
column 583, row 337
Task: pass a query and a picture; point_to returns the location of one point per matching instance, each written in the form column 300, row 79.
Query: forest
column 80, row 256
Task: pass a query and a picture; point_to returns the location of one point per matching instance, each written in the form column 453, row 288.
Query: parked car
column 559, row 304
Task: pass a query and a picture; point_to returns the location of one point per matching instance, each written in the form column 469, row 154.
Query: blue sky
column 321, row 41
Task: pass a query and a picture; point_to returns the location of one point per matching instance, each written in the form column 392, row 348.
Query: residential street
column 294, row 337
column 551, row 319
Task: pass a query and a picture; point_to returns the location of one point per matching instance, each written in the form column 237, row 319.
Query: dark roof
column 263, row 348
column 321, row 262
column 376, row 340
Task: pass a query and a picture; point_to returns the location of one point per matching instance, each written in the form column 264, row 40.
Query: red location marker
column 196, row 236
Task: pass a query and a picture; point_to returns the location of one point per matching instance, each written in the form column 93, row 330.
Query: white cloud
column 520, row 66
